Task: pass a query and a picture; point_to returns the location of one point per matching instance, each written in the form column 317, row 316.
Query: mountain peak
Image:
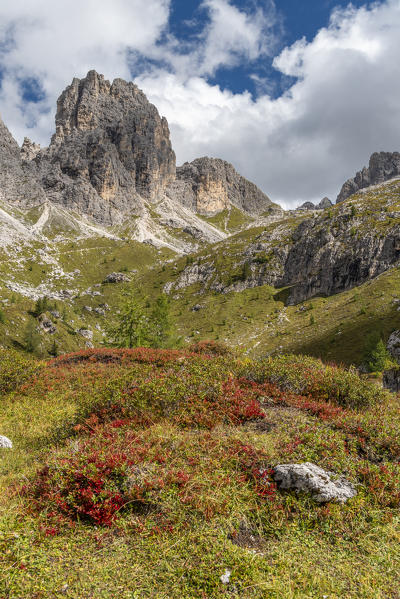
column 382, row 167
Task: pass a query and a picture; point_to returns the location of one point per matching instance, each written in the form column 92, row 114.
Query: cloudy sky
column 296, row 95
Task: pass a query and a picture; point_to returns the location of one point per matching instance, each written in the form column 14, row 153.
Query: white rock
column 5, row 442
column 85, row 333
column 226, row 577
column 309, row 478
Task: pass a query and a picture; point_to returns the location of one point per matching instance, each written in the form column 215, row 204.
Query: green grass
column 183, row 435
column 229, row 220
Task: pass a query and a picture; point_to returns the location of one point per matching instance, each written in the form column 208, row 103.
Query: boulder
column 46, row 324
column 85, row 333
column 116, row 277
column 393, row 345
column 5, row 442
column 321, row 485
column 197, row 307
column 391, row 379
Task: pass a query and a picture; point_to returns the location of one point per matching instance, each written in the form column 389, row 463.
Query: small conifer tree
column 31, row 337
column 380, row 358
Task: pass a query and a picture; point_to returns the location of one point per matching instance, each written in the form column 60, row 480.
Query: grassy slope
column 190, row 423
column 94, row 258
column 335, row 328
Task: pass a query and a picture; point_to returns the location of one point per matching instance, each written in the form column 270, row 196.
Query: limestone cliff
column 110, row 150
column 210, row 185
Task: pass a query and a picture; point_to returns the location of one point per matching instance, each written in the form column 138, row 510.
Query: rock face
column 110, row 154
column 323, row 260
column 324, row 203
column 312, row 479
column 210, row 185
column 382, row 167
column 321, row 255
column 393, row 345
column 29, row 150
column 111, row 149
column 307, row 206
column 17, row 180
column 391, row 379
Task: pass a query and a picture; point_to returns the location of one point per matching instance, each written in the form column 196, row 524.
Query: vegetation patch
column 149, row 473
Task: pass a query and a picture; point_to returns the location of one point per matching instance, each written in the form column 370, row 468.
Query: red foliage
column 118, row 356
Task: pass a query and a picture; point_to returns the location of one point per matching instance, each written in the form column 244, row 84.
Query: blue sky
column 296, row 94
column 295, row 19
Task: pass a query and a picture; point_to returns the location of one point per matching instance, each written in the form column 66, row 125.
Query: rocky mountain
column 106, row 198
column 17, row 178
column 111, row 156
column 383, row 166
column 311, row 254
column 111, row 150
column 322, row 205
column 210, row 185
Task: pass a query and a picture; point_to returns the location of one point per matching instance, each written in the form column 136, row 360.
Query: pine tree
column 41, row 305
column 140, row 323
column 380, row 358
column 53, row 351
column 132, row 328
column 160, row 322
column 31, row 337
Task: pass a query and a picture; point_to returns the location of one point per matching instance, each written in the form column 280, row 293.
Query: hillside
column 150, row 473
column 106, row 197
column 237, row 464
column 263, row 287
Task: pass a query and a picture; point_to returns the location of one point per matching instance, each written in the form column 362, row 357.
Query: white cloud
column 300, row 146
column 53, row 41
column 303, row 145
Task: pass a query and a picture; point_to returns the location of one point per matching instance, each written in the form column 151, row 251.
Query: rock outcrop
column 18, row 184
column 393, row 345
column 383, row 166
column 309, row 478
column 322, row 205
column 110, row 151
column 391, row 379
column 210, row 185
column 116, row 277
column 320, row 255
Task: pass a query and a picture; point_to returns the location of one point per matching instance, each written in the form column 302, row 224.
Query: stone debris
column 307, row 477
